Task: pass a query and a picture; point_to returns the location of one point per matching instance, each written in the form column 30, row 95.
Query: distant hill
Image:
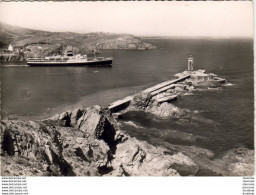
column 42, row 43
column 9, row 33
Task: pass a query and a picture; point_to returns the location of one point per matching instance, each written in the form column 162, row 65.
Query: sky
column 159, row 18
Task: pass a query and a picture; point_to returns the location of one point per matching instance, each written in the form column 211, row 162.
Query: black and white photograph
column 160, row 88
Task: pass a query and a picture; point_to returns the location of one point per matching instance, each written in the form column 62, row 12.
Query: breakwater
column 11, row 58
column 125, row 102
column 186, row 81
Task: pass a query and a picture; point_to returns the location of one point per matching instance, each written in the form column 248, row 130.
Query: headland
column 26, row 43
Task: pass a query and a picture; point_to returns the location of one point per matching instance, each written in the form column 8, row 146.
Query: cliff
column 82, row 142
column 90, row 142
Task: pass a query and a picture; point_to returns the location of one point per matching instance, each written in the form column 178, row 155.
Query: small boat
column 70, row 60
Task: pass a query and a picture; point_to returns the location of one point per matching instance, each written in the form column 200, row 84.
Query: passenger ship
column 70, row 60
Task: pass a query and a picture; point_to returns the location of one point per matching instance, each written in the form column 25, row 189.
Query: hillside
column 9, row 33
column 41, row 43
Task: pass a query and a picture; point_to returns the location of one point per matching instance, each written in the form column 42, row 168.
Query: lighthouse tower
column 190, row 63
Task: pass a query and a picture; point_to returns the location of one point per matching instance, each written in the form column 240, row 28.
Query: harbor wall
column 11, row 58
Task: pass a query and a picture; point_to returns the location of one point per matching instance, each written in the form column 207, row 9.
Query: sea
column 225, row 116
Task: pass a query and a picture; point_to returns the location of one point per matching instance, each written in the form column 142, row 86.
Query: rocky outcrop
column 83, row 142
column 235, row 162
column 145, row 102
column 36, row 143
column 168, row 110
column 238, row 162
column 89, row 142
column 140, row 101
column 66, row 152
column 139, row 158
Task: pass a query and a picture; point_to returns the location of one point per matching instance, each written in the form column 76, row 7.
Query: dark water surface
column 225, row 118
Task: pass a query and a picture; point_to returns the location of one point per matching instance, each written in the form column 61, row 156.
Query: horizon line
column 142, row 36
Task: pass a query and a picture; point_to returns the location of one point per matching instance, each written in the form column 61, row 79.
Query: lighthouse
column 190, row 63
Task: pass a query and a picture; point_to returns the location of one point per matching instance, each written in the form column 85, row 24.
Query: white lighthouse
column 190, row 63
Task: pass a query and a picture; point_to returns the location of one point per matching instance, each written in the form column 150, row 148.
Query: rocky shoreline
column 91, row 142
column 83, row 143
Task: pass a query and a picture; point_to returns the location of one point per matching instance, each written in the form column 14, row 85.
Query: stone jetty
column 170, row 90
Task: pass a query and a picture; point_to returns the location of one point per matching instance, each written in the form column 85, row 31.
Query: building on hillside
column 10, row 48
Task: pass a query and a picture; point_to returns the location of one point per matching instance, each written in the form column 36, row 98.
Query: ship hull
column 105, row 63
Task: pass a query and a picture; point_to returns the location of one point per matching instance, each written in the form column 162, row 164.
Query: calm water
column 225, row 118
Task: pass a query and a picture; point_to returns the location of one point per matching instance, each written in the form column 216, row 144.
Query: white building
column 10, row 48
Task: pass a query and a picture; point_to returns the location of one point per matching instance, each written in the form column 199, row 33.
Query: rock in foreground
column 91, row 145
column 89, row 142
